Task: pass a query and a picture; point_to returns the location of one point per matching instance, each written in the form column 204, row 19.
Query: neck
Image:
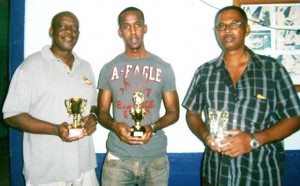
column 137, row 54
column 66, row 56
column 236, row 58
column 236, row 62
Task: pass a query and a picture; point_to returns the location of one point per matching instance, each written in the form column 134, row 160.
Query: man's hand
column 147, row 135
column 238, row 143
column 209, row 140
column 62, row 131
column 124, row 133
column 90, row 124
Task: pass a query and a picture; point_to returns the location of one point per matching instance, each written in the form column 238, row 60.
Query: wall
column 179, row 31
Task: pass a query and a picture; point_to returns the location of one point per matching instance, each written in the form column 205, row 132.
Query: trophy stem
column 138, row 125
column 138, row 114
column 75, row 106
column 75, row 120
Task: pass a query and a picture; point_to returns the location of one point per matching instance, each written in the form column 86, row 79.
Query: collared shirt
column 39, row 87
column 264, row 95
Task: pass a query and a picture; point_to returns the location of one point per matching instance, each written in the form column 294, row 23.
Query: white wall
column 179, row 31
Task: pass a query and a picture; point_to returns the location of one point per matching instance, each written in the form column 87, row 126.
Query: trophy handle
column 68, row 107
column 82, row 108
column 66, row 103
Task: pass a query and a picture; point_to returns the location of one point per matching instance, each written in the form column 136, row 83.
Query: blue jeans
column 143, row 173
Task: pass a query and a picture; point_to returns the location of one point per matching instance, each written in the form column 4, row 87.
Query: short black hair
column 239, row 9
column 60, row 14
column 130, row 9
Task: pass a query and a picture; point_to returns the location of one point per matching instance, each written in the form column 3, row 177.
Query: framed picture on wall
column 275, row 31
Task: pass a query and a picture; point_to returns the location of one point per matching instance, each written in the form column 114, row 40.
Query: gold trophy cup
column 75, row 106
column 138, row 114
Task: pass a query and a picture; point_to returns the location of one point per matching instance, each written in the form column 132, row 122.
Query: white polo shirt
column 39, row 87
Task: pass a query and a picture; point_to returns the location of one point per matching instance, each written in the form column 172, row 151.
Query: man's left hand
column 90, row 124
column 238, row 143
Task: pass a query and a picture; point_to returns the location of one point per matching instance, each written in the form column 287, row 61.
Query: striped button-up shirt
column 264, row 95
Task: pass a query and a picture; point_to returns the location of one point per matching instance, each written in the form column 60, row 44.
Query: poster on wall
column 275, row 31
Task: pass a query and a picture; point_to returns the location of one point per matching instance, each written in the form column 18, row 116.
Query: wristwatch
column 254, row 143
column 153, row 127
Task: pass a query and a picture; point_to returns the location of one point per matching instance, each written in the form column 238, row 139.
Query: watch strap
column 153, row 127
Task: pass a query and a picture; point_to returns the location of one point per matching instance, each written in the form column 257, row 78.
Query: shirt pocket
column 257, row 109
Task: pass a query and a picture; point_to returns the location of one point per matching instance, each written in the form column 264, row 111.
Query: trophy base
column 138, row 132
column 75, row 132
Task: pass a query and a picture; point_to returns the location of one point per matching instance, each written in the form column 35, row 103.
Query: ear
column 248, row 30
column 145, row 28
column 120, row 33
column 51, row 32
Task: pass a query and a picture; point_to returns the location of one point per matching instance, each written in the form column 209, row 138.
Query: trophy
column 138, row 114
column 218, row 125
column 75, row 106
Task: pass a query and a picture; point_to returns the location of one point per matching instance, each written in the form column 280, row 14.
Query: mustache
column 228, row 37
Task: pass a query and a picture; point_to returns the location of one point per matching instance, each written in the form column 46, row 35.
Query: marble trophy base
column 138, row 131
column 76, row 132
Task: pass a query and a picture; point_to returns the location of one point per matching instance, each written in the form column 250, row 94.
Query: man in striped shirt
column 261, row 103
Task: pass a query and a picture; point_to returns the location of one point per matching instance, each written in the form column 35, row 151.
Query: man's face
column 65, row 32
column 233, row 36
column 132, row 30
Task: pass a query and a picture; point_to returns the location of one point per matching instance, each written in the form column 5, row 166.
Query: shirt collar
column 252, row 57
column 47, row 53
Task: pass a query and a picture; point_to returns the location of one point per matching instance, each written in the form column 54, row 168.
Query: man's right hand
column 62, row 131
column 123, row 131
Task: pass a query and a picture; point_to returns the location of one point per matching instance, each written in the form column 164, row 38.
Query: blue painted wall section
column 184, row 167
column 16, row 56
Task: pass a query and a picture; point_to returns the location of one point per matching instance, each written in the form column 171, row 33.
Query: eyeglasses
column 232, row 25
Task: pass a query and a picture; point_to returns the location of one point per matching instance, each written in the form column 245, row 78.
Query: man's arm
column 171, row 103
column 29, row 124
column 197, row 126
column 239, row 143
column 281, row 130
column 104, row 117
column 104, row 103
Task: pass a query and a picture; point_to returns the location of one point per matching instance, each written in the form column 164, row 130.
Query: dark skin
column 132, row 31
column 65, row 33
column 236, row 59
